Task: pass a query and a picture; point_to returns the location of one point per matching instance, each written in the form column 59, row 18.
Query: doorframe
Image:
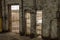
column 9, row 16
column 29, row 12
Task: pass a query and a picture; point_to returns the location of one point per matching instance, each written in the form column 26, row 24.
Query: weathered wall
column 3, row 13
column 27, row 4
column 49, row 13
column 0, row 15
column 12, row 1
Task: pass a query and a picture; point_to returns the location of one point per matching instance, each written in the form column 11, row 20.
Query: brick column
column 0, row 15
column 58, row 19
column 33, row 24
column 22, row 19
column 4, row 15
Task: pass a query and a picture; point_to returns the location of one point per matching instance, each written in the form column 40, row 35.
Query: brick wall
column 49, row 13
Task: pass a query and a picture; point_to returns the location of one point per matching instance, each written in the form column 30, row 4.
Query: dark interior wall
column 32, row 4
column 58, row 19
column 49, row 8
column 3, row 13
column 12, row 1
column 0, row 8
column 49, row 14
column 0, row 15
column 39, row 4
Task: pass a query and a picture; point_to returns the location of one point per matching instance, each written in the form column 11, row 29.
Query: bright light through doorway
column 15, row 18
column 15, row 7
column 39, row 23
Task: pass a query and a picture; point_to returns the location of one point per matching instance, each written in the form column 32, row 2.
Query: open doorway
column 39, row 23
column 14, row 18
column 28, row 23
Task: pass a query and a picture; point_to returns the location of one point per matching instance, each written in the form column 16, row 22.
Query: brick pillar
column 58, row 22
column 33, row 25
column 0, row 15
column 4, row 15
column 58, row 19
column 22, row 22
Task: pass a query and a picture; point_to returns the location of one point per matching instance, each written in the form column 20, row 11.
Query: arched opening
column 28, row 22
column 39, row 23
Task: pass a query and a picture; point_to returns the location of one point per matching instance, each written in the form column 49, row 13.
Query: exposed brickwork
column 49, row 12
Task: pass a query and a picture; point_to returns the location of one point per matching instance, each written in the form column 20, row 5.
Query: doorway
column 28, row 23
column 39, row 23
column 14, row 18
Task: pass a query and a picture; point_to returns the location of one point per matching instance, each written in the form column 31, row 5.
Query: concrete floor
column 13, row 36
